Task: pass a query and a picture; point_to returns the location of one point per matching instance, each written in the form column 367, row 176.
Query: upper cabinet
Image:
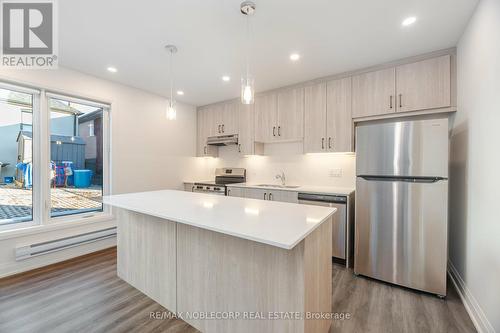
column 424, row 85
column 266, row 117
column 229, row 118
column 418, row 86
column 315, row 118
column 290, row 125
column 279, row 116
column 328, row 118
column 246, row 131
column 204, row 128
column 339, row 116
column 221, row 119
column 374, row 93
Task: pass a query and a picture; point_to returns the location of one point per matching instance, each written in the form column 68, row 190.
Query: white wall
column 148, row 151
column 475, row 165
column 299, row 168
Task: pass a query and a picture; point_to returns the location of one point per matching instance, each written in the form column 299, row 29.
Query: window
column 72, row 148
column 76, row 158
column 16, row 158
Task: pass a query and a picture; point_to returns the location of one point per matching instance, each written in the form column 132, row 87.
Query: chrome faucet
column 281, row 177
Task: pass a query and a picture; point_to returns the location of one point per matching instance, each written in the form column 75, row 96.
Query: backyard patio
column 16, row 203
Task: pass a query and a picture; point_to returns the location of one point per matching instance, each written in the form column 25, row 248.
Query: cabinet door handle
column 271, row 196
column 239, row 148
column 218, row 128
column 222, row 128
column 279, row 130
column 330, row 142
column 274, row 130
column 265, row 196
column 400, row 100
column 322, row 143
column 205, row 150
column 390, row 102
column 228, row 192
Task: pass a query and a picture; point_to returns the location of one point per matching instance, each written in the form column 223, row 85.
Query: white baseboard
column 471, row 305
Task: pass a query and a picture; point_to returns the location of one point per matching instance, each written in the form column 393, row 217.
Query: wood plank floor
column 85, row 295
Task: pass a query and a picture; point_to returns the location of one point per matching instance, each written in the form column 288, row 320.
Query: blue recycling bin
column 82, row 178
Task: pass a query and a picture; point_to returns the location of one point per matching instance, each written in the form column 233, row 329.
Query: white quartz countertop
column 279, row 224
column 302, row 189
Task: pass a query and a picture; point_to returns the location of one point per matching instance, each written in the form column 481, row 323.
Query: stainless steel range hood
column 223, row 140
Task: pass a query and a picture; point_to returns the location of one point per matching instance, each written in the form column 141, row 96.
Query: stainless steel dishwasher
column 340, row 226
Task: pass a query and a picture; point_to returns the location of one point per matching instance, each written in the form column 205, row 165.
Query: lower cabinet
column 264, row 194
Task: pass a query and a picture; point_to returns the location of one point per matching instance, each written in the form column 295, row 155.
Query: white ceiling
column 332, row 36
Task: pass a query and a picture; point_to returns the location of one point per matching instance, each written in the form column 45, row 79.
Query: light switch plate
column 335, row 172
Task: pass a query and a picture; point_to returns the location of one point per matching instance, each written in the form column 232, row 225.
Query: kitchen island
column 226, row 264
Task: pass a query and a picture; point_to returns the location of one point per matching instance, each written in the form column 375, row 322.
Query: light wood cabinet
column 204, row 128
column 339, row 126
column 279, row 116
column 290, row 126
column 328, row 118
column 235, row 192
column 374, row 93
column 229, row 118
column 246, row 131
column 417, row 86
column 424, row 85
column 315, row 118
column 265, row 194
column 266, row 117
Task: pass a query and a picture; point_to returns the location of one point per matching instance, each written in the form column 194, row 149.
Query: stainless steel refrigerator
column 401, row 220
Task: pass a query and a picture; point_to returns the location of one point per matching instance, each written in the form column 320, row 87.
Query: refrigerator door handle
column 427, row 180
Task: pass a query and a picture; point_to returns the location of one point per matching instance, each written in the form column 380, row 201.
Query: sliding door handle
column 271, row 196
column 265, row 196
column 222, row 128
column 205, row 150
column 279, row 130
column 322, row 143
column 239, row 148
column 274, row 130
column 218, row 128
column 330, row 142
column 390, row 102
column 400, row 100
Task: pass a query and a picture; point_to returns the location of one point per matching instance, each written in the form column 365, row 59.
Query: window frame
column 41, row 202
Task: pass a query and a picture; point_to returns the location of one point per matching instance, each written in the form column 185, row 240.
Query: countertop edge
column 238, row 235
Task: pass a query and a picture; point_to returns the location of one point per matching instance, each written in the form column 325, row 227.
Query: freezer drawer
column 401, row 232
column 416, row 148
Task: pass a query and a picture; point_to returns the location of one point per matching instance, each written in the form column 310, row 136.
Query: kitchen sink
column 278, row 186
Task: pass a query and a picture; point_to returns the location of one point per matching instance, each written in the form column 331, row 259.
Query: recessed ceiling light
column 112, row 69
column 180, row 92
column 409, row 21
column 294, row 56
column 226, row 78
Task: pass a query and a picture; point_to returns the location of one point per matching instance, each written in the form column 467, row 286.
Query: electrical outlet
column 335, row 173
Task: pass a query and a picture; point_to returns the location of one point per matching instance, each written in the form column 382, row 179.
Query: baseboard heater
column 33, row 250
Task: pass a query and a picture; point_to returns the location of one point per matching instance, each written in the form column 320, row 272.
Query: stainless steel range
column 223, row 176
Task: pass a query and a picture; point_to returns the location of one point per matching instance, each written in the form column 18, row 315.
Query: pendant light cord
column 171, row 80
column 248, row 48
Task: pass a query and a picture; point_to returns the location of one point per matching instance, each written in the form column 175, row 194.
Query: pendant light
column 171, row 113
column 247, row 8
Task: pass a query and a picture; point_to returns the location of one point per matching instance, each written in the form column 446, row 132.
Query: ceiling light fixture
column 409, row 21
column 294, row 56
column 180, row 92
column 112, row 69
column 226, row 78
column 247, row 8
column 171, row 113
